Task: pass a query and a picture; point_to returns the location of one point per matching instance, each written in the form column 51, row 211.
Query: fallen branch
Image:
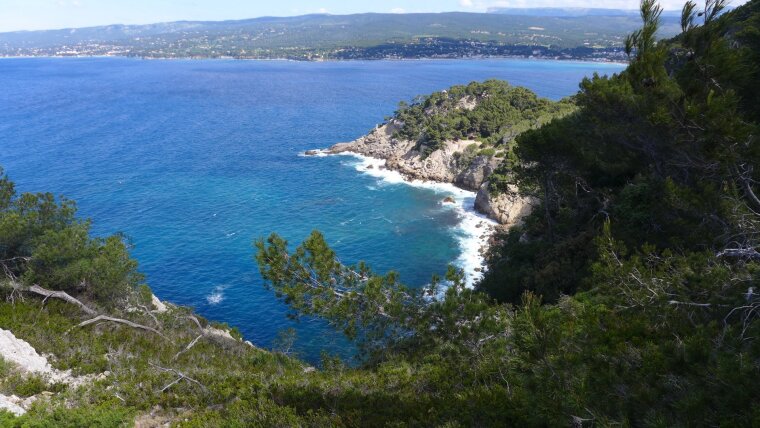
column 180, row 376
column 699, row 305
column 198, row 323
column 187, row 348
column 119, row 321
column 150, row 314
column 36, row 289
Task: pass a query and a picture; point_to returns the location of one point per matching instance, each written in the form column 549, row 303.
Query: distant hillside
column 330, row 36
column 567, row 12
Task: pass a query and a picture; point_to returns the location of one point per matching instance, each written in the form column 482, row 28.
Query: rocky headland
column 456, row 162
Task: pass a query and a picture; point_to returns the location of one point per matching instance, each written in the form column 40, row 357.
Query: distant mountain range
column 574, row 33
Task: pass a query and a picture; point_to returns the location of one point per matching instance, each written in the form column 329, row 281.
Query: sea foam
column 474, row 229
column 217, row 295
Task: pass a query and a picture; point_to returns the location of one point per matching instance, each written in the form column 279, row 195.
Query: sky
column 51, row 14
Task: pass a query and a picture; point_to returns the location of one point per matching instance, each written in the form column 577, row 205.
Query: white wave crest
column 474, row 229
column 217, row 295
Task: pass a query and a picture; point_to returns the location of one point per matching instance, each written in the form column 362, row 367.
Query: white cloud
column 398, row 10
column 466, row 3
column 74, row 3
column 322, row 10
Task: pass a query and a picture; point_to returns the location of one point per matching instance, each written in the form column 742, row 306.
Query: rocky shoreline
column 456, row 162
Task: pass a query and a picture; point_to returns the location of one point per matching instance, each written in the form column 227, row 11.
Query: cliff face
column 506, row 208
column 455, row 162
column 449, row 164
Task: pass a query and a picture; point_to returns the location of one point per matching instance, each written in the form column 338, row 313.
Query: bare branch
column 187, row 348
column 195, row 320
column 699, row 305
column 150, row 314
column 36, row 289
column 180, row 376
column 119, row 321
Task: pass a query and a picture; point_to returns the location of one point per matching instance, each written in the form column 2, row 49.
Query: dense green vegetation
column 664, row 152
column 493, row 112
column 44, row 243
column 629, row 297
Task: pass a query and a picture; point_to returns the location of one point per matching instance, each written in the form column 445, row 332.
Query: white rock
column 158, row 304
column 443, row 165
column 508, row 209
column 211, row 331
column 23, row 355
column 8, row 403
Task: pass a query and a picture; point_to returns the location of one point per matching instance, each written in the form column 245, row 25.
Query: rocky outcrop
column 477, row 172
column 379, row 143
column 25, row 360
column 11, row 404
column 158, row 305
column 507, row 208
column 456, row 162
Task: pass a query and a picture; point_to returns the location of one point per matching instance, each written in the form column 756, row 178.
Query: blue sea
column 193, row 160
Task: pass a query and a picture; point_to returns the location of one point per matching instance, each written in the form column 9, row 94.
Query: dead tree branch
column 198, row 323
column 180, row 376
column 150, row 314
column 119, row 321
column 187, row 348
column 36, row 289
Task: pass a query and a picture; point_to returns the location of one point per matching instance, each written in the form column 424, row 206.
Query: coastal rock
column 477, row 172
column 442, row 165
column 448, row 164
column 455, row 162
column 10, row 404
column 217, row 332
column 507, row 208
column 159, row 306
column 379, row 143
column 24, row 360
column 468, row 103
column 449, row 200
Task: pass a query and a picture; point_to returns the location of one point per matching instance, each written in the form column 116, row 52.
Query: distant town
column 363, row 36
column 423, row 49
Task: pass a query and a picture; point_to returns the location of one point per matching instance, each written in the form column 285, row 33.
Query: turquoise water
column 194, row 159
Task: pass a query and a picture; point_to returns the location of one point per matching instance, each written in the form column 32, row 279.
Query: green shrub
column 488, row 151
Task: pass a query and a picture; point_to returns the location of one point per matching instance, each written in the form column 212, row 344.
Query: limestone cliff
column 508, row 209
column 456, row 162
